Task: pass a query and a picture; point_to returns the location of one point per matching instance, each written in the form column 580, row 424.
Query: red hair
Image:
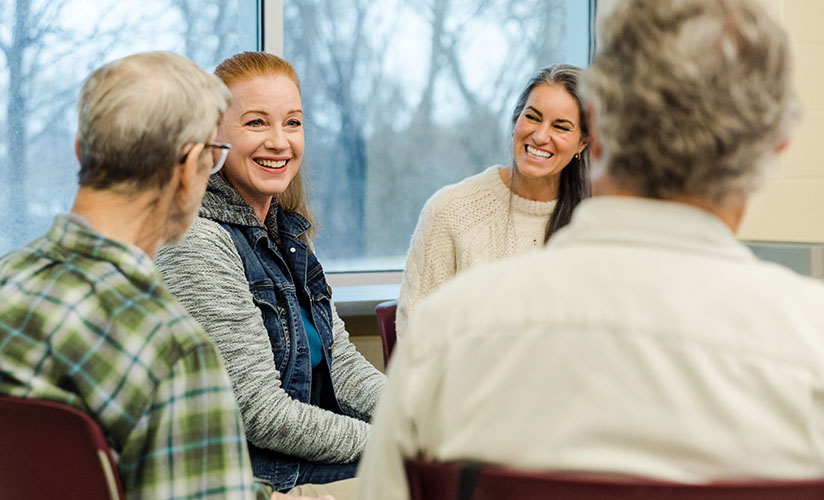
column 249, row 65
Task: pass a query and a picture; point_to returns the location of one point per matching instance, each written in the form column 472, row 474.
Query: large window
column 402, row 97
column 47, row 48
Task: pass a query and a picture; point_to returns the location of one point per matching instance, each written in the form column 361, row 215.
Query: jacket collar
column 222, row 203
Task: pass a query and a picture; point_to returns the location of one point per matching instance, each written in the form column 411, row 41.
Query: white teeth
column 270, row 163
column 537, row 152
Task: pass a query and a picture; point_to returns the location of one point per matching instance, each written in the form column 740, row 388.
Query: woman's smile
column 271, row 164
column 537, row 153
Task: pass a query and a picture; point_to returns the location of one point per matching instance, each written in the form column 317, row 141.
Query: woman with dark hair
column 507, row 210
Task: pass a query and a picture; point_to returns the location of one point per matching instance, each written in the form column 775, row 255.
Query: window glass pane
column 47, row 48
column 402, row 97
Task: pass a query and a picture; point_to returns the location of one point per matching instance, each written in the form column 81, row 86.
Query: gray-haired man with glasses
column 85, row 318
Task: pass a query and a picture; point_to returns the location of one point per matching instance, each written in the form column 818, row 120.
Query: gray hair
column 691, row 96
column 137, row 114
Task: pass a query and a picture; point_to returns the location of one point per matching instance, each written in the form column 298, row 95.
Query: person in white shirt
column 506, row 210
column 644, row 339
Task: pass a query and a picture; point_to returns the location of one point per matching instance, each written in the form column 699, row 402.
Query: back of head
column 136, row 114
column 691, row 96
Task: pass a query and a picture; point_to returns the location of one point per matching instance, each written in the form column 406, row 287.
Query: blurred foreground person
column 85, row 318
column 644, row 339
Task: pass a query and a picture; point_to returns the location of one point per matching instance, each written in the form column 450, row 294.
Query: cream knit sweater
column 475, row 221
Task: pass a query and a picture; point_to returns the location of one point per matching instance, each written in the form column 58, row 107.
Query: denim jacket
column 278, row 281
column 255, row 319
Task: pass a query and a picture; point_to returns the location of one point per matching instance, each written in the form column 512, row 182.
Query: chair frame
column 53, row 450
column 385, row 313
column 474, row 481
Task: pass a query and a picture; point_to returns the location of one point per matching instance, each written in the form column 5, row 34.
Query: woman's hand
column 281, row 496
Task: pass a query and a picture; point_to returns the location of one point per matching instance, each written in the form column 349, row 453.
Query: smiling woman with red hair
column 247, row 272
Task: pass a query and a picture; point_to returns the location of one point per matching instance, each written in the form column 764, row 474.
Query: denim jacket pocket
column 319, row 292
column 275, row 319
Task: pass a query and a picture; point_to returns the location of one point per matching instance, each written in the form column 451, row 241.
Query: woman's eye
column 561, row 127
column 293, row 123
column 532, row 117
column 257, row 122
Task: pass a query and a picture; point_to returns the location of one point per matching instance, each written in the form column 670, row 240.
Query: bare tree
column 209, row 35
column 46, row 61
column 39, row 101
column 32, row 26
column 379, row 145
column 335, row 100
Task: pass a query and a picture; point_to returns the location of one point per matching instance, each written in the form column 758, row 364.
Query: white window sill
column 357, row 294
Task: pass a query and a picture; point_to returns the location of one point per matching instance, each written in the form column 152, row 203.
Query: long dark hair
column 574, row 184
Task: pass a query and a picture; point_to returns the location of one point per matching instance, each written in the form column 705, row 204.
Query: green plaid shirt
column 87, row 321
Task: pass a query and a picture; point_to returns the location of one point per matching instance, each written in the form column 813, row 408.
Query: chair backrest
column 52, row 450
column 472, row 481
column 385, row 312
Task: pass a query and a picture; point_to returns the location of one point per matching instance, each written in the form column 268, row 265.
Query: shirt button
column 292, row 250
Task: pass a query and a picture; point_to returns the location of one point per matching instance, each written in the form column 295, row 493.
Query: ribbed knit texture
column 475, row 221
column 205, row 272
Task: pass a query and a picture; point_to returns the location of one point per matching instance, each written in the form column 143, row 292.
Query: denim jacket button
column 292, row 250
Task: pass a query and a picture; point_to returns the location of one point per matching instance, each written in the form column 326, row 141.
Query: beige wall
column 790, row 208
column 363, row 332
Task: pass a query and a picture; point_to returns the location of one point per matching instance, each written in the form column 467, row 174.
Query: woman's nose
column 276, row 139
column 542, row 134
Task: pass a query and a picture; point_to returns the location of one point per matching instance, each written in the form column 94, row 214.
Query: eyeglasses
column 224, row 152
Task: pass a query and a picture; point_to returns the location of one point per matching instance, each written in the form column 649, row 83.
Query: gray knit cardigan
column 205, row 273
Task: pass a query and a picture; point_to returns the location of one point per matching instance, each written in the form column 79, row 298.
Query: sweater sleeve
column 205, row 272
column 431, row 260
column 358, row 384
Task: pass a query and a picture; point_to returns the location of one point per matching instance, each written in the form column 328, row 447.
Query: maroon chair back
column 385, row 312
column 51, row 450
column 462, row 481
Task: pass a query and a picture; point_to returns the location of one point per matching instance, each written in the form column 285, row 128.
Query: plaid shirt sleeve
column 192, row 442
column 86, row 321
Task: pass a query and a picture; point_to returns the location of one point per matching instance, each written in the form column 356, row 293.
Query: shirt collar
column 76, row 234
column 648, row 222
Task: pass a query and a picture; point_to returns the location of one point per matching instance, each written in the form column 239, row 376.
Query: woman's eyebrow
column 255, row 111
column 534, row 111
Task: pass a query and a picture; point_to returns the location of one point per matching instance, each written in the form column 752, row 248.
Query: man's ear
column 595, row 149
column 77, row 147
column 188, row 169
